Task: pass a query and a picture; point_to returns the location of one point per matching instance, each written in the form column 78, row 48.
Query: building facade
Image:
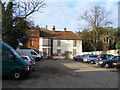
column 50, row 43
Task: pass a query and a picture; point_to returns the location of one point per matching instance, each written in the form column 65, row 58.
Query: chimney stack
column 53, row 29
column 64, row 29
column 46, row 26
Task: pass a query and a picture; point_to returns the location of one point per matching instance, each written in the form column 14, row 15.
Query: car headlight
column 100, row 62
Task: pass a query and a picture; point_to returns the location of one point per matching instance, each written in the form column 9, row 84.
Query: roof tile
column 59, row 34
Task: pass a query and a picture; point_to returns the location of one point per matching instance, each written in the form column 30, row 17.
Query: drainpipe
column 51, row 47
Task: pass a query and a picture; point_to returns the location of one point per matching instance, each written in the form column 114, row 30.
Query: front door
column 44, row 52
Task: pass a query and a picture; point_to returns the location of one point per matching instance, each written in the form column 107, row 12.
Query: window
column 58, row 43
column 74, row 43
column 49, row 42
column 49, row 51
column 6, row 54
column 74, row 51
column 117, row 58
column 58, row 51
column 33, row 53
column 45, row 42
column 31, row 42
column 32, row 34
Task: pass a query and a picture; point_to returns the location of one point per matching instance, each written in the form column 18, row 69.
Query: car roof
column 24, row 56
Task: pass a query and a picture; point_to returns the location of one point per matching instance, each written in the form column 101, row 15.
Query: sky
column 66, row 13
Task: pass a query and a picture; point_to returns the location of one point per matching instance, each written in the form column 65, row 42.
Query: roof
column 59, row 35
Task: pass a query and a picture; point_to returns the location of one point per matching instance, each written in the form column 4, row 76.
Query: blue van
column 12, row 64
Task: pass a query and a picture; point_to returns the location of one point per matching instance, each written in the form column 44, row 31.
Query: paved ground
column 66, row 74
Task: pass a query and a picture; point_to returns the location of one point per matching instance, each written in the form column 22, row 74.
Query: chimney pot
column 46, row 26
column 64, row 29
column 53, row 29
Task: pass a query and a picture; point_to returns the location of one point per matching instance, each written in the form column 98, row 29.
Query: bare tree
column 22, row 8
column 26, row 8
column 96, row 17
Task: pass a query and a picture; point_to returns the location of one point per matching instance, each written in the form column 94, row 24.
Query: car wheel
column 117, row 67
column 16, row 74
column 107, row 65
column 92, row 62
column 37, row 59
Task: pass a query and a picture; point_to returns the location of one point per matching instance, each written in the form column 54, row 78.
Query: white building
column 59, row 43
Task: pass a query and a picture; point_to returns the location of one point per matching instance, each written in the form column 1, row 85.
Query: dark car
column 103, row 56
column 109, row 62
column 117, row 64
column 76, row 58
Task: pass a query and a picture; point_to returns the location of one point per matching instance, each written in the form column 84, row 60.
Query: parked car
column 89, row 58
column 29, row 60
column 77, row 58
column 109, row 62
column 117, row 63
column 55, row 56
column 103, row 56
column 82, row 57
column 29, row 52
column 12, row 64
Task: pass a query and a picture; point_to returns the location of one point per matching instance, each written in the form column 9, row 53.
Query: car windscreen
column 31, row 58
column 93, row 56
column 15, row 53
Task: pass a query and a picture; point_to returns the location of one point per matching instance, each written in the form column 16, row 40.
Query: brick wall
column 34, row 35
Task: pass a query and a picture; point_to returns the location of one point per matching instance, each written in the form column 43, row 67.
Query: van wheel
column 16, row 74
column 37, row 59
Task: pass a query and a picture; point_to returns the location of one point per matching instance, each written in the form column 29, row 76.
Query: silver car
column 89, row 58
column 30, row 60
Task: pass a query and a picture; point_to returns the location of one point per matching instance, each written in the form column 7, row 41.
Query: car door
column 114, row 59
column 8, row 61
column 117, row 58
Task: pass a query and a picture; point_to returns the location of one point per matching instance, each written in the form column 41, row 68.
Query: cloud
column 65, row 13
column 82, row 0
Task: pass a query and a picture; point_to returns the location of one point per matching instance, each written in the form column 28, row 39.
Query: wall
column 67, row 45
column 34, row 35
column 41, row 47
column 113, row 52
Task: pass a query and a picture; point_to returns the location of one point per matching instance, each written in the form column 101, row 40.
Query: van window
column 33, row 53
column 15, row 53
column 6, row 54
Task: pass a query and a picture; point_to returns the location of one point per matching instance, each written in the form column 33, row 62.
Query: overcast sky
column 65, row 13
